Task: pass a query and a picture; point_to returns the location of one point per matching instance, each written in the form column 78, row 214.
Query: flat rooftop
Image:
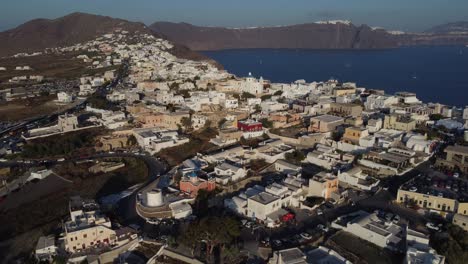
column 328, row 118
column 264, row 198
column 458, row 149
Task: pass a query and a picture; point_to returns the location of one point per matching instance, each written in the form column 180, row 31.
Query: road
column 49, row 118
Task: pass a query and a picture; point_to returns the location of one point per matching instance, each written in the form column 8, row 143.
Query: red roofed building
column 191, row 183
column 250, row 128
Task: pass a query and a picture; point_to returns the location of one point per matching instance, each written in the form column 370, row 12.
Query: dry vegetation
column 358, row 250
column 24, row 225
column 199, row 142
column 24, row 109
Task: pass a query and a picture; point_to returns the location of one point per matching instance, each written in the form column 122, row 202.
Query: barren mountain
column 38, row 34
column 303, row 36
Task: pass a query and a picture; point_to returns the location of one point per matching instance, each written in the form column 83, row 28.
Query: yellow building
column 341, row 91
column 87, row 227
column 463, row 209
column 340, row 109
column 457, row 157
column 427, row 201
column 352, row 135
column 399, row 122
column 461, row 221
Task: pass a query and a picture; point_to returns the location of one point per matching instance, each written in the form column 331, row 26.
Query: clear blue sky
column 408, row 15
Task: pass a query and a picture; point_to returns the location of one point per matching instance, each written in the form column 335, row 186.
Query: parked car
column 322, row 227
column 306, row 236
column 388, row 216
column 432, row 226
column 277, row 243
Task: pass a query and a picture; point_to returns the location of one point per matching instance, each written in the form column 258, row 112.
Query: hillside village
column 329, row 162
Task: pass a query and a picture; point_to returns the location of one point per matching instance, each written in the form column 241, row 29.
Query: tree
column 214, row 231
column 266, row 123
column 246, row 95
column 171, row 107
column 258, row 108
column 295, row 157
column 185, row 93
column 278, row 93
column 221, row 122
column 186, row 123
column 435, row 117
column 131, row 140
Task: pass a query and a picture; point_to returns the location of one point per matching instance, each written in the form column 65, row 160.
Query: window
column 85, row 235
column 71, row 238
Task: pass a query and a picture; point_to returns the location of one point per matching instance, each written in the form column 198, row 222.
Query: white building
column 45, row 248
column 328, row 157
column 86, row 89
column 97, row 81
column 374, row 125
column 198, row 121
column 253, row 101
column 63, row 97
column 374, row 101
column 252, row 85
column 113, row 120
column 273, row 150
column 357, row 179
column 407, row 98
column 418, row 250
column 465, row 113
column 371, row 228
column 265, row 203
column 115, row 96
column 154, row 140
column 230, row 103
column 227, row 172
column 289, row 256
column 87, row 227
column 272, row 106
column 418, row 142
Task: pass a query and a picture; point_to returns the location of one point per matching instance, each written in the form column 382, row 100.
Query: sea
column 435, row 74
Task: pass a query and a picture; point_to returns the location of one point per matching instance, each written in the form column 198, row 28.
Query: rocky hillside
column 38, row 34
column 303, row 36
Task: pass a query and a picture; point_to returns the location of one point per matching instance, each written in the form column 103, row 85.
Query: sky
column 406, row 15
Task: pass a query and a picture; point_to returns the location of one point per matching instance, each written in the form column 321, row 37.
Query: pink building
column 191, row 184
column 249, row 126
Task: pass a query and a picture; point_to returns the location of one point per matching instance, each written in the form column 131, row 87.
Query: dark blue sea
column 436, row 74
